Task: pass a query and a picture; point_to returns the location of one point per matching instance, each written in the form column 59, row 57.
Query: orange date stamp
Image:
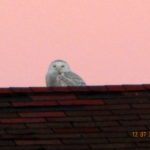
column 140, row 134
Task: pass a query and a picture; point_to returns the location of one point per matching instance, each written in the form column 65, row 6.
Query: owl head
column 59, row 66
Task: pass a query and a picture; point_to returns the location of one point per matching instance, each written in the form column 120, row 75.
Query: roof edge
column 91, row 88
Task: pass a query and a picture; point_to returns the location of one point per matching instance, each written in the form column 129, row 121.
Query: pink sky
column 104, row 41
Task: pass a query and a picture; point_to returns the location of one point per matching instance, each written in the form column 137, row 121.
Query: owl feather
column 60, row 74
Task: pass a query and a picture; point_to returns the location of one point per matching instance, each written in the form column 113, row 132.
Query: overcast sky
column 104, row 41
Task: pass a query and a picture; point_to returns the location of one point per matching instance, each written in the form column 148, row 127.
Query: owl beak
column 58, row 70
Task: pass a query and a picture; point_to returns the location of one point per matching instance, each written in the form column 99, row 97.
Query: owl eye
column 54, row 66
column 62, row 66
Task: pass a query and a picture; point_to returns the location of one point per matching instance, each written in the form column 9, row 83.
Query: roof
column 114, row 117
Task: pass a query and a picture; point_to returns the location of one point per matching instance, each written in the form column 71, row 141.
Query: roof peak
column 93, row 88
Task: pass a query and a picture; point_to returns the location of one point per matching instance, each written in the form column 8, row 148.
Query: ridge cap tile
column 20, row 90
column 147, row 86
column 88, row 88
column 134, row 87
column 115, row 88
column 40, row 90
column 5, row 91
column 97, row 88
column 78, row 88
column 50, row 89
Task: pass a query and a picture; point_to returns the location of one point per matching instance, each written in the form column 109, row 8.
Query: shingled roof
column 113, row 117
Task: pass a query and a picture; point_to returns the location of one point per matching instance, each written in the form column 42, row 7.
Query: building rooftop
column 112, row 117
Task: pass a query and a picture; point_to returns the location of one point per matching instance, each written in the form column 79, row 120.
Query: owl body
column 60, row 74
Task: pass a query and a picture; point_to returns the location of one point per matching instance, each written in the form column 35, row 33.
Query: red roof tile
column 21, row 120
column 43, row 114
column 81, row 102
column 37, row 142
column 110, row 117
column 5, row 91
column 134, row 87
column 34, row 103
column 115, row 88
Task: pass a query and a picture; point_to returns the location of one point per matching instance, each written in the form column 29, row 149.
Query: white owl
column 60, row 74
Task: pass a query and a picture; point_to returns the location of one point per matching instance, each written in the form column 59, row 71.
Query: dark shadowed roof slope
column 113, row 117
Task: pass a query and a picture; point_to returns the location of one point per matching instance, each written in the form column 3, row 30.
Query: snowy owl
column 60, row 74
